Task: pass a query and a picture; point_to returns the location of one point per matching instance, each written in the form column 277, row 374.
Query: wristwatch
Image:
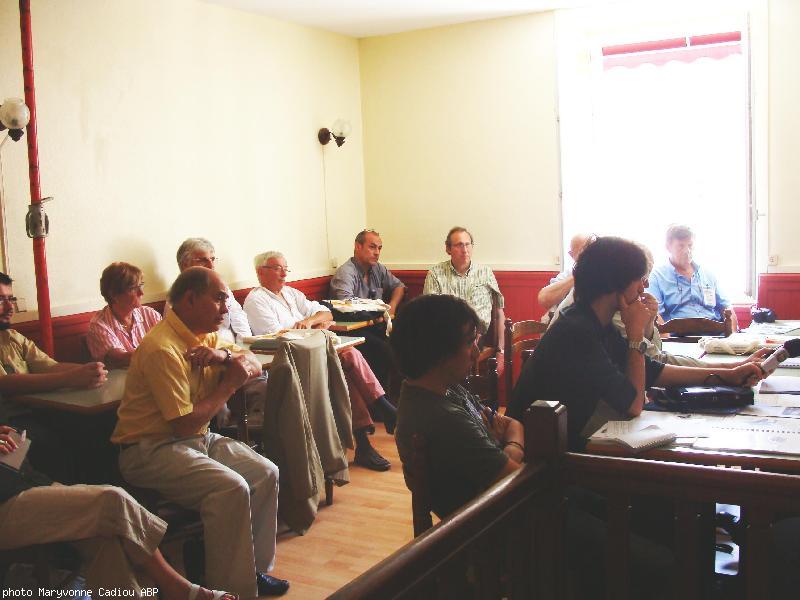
column 228, row 356
column 640, row 346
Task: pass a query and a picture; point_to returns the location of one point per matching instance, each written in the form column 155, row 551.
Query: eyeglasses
column 276, row 268
column 137, row 288
column 211, row 260
column 462, row 245
column 12, row 300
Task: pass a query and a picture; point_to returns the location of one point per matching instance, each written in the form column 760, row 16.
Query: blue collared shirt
column 679, row 297
column 348, row 282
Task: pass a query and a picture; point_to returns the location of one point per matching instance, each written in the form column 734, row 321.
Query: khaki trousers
column 234, row 489
column 112, row 531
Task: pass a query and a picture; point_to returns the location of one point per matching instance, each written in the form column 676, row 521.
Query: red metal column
column 39, row 253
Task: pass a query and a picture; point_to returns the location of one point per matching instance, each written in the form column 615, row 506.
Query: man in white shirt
column 551, row 295
column 199, row 252
column 275, row 306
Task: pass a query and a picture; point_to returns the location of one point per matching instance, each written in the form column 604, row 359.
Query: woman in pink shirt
column 116, row 331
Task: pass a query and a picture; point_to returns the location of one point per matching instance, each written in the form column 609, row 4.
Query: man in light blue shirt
column 683, row 288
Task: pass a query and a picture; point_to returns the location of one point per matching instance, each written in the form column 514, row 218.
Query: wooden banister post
column 546, row 440
column 545, row 430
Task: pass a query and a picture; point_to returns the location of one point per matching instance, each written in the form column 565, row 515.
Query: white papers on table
column 780, row 384
column 748, row 434
column 786, row 412
column 791, row 363
column 781, row 328
column 748, row 441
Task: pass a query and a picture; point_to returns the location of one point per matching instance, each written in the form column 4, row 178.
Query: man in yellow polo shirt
column 179, row 377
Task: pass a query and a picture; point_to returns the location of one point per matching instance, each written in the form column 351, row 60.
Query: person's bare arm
column 238, row 371
column 314, row 321
column 510, row 466
column 553, row 293
column 61, row 375
column 508, row 432
column 394, row 301
column 635, row 316
column 117, row 359
column 749, row 373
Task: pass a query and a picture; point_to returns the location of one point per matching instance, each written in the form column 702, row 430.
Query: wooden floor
column 370, row 518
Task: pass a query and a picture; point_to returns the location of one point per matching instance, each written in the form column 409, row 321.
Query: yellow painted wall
column 163, row 120
column 784, row 130
column 460, row 129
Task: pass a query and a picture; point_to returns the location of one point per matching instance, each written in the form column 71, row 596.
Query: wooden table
column 783, row 463
column 108, row 396
column 88, row 402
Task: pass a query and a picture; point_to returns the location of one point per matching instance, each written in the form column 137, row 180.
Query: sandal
column 215, row 594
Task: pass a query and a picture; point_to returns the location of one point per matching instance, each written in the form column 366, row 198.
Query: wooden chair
column 692, row 329
column 491, row 344
column 521, row 337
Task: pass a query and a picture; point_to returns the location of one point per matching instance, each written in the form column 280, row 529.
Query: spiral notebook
column 626, row 434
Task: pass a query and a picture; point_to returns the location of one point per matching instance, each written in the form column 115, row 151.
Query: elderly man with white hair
column 274, row 306
column 199, row 252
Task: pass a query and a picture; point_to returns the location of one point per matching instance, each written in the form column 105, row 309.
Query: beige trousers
column 234, row 489
column 112, row 531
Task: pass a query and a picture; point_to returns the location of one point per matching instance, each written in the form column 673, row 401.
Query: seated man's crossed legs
column 365, row 390
column 115, row 533
column 234, row 489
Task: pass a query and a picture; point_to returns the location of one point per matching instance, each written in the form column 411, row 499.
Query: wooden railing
column 510, row 541
column 471, row 547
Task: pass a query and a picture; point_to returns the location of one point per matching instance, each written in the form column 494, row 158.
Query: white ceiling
column 363, row 18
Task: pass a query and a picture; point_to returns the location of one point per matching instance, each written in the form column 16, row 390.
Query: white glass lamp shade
column 14, row 114
column 341, row 128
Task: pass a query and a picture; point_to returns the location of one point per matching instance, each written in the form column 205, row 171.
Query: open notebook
column 632, row 435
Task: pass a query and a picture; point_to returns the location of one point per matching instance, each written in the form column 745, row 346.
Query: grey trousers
column 234, row 489
column 110, row 530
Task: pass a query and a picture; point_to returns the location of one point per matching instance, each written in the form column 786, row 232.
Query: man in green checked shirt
column 471, row 282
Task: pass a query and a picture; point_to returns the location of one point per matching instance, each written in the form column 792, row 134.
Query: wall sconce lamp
column 14, row 116
column 338, row 131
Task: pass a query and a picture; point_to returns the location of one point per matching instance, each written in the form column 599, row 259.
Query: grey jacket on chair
column 307, row 425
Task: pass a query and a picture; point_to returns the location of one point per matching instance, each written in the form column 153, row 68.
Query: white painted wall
column 164, row 120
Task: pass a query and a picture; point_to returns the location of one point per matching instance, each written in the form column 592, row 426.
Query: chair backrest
column 485, row 384
column 690, row 329
column 521, row 337
column 417, row 480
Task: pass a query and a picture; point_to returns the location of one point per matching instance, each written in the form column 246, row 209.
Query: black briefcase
column 715, row 398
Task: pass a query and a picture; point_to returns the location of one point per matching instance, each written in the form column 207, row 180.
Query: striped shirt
column 478, row 287
column 107, row 333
